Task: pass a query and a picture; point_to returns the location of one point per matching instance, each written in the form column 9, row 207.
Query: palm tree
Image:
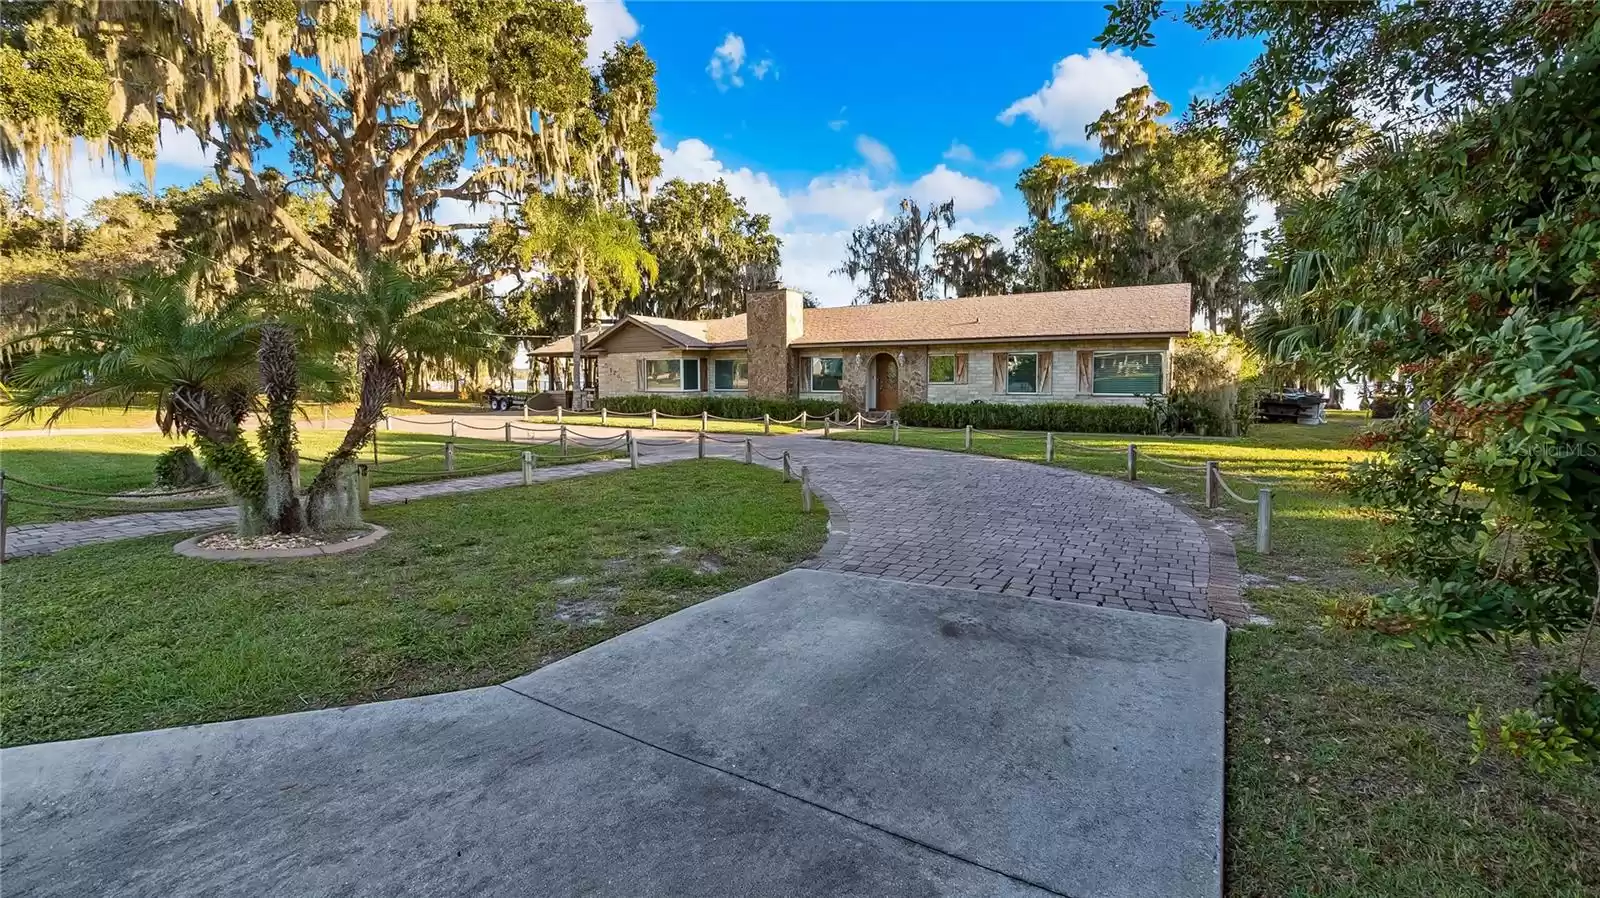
column 387, row 318
column 142, row 336
column 577, row 237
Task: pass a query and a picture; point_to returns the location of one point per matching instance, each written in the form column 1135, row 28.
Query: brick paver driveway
column 1001, row 526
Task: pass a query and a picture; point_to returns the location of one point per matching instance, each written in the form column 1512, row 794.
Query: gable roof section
column 562, row 346
column 715, row 333
column 1113, row 311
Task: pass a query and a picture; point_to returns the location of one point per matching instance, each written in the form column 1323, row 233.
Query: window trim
column 1161, row 385
column 680, row 388
column 1007, row 381
column 732, row 375
column 942, row 355
column 811, row 377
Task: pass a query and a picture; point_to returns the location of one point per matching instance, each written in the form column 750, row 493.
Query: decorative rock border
column 191, row 548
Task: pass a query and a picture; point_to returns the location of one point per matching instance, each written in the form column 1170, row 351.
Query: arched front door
column 886, row 381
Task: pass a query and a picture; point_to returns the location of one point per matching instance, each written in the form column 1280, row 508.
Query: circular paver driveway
column 1013, row 527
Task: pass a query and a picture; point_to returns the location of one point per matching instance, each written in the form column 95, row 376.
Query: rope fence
column 1215, row 484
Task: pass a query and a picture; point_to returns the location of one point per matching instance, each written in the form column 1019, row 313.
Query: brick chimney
column 773, row 321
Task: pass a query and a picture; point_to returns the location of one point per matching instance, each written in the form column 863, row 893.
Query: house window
column 942, row 369
column 1022, row 372
column 730, row 374
column 1127, row 373
column 672, row 374
column 827, row 375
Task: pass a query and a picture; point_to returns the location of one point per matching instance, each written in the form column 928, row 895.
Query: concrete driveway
column 814, row 734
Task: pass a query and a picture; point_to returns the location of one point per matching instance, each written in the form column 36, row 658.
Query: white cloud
column 1264, row 216
column 761, row 67
column 180, row 159
column 726, row 61
column 1009, row 159
column 1080, row 88
column 838, row 124
column 970, row 194
column 876, row 154
column 960, row 152
column 609, row 22
column 814, row 221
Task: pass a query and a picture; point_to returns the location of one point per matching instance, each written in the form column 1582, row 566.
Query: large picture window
column 672, row 374
column 730, row 374
column 942, row 369
column 1127, row 373
column 827, row 375
column 1022, row 372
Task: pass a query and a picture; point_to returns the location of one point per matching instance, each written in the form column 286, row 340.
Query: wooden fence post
column 364, row 485
column 700, row 445
column 633, row 452
column 967, row 437
column 1133, row 462
column 897, row 432
column 858, row 420
column 563, row 439
column 2, row 525
column 766, row 424
column 324, row 416
column 450, row 456
column 452, row 427
column 508, row 432
column 805, row 489
column 704, row 417
column 749, row 451
column 605, row 420
column 787, row 475
column 1264, row 521
column 527, row 467
column 827, row 427
column 1049, row 446
column 652, row 419
column 374, row 447
column 1211, row 484
column 803, row 420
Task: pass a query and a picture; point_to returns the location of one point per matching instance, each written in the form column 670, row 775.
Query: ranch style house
column 1106, row 345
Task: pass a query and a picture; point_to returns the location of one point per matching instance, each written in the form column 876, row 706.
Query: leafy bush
column 1214, row 387
column 178, row 467
column 724, row 406
column 1064, row 417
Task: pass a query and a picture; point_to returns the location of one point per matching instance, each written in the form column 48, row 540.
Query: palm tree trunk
column 280, row 509
column 580, row 278
column 332, row 502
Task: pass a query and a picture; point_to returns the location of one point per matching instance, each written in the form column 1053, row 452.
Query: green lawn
column 144, row 416
column 110, row 463
column 467, row 590
column 642, row 421
column 1349, row 767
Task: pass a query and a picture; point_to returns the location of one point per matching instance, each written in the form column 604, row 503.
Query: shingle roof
column 1112, row 311
column 562, row 346
column 1160, row 309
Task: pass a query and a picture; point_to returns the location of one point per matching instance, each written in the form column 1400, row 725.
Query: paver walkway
column 919, row 515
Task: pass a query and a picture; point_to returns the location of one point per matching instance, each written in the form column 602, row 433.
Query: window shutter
column 1085, row 371
column 999, row 372
column 961, row 368
column 1045, row 359
column 640, row 373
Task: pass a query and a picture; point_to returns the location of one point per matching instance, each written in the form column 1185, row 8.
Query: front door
column 886, row 375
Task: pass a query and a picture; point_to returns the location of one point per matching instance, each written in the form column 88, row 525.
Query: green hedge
column 725, row 406
column 1063, row 417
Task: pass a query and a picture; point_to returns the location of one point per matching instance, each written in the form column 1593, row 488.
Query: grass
column 642, row 421
column 111, row 463
column 1349, row 768
column 467, row 590
column 143, row 416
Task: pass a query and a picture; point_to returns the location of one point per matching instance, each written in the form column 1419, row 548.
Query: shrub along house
column 1095, row 346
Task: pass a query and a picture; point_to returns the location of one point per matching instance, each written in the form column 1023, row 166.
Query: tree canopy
column 712, row 252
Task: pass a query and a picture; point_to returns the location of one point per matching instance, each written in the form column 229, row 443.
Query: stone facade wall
column 773, row 321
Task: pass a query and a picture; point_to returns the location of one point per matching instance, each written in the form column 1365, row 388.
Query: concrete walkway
column 813, row 734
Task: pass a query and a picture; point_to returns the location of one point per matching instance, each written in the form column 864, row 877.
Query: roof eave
column 1029, row 338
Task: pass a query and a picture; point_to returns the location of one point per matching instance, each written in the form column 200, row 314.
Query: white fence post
column 700, row 445
column 766, row 424
column 508, row 432
column 858, row 420
column 805, row 489
column 787, row 475
column 527, row 467
column 803, row 417
column 704, row 418
column 1133, row 462
column 452, row 427
column 449, row 456
column 897, row 431
column 967, row 437
column 1264, row 521
column 604, row 419
column 652, row 419
column 1211, row 484
column 749, row 451
column 827, row 427
column 633, row 451
column 1049, row 446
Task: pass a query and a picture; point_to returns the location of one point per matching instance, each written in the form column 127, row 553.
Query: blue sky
column 824, row 115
